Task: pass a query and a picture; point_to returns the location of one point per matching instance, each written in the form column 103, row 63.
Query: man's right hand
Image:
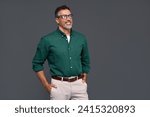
column 46, row 84
column 49, row 86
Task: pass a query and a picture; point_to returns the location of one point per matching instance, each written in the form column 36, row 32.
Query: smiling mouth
column 68, row 23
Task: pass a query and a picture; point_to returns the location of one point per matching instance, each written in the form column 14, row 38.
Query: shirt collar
column 62, row 33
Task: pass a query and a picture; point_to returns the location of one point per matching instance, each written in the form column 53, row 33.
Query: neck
column 66, row 31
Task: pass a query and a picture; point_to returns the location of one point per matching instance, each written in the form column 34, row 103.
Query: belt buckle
column 72, row 77
column 69, row 78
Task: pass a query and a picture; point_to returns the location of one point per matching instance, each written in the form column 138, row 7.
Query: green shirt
column 64, row 59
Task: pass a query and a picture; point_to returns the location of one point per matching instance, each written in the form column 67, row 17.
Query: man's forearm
column 42, row 78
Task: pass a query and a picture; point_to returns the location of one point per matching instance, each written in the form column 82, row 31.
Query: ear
column 57, row 20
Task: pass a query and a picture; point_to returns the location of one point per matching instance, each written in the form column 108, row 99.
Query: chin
column 68, row 28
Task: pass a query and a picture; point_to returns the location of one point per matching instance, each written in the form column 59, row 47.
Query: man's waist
column 69, row 79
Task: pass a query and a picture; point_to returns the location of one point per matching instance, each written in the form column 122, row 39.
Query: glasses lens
column 65, row 16
column 70, row 16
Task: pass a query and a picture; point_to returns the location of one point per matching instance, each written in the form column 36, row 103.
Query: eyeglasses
column 65, row 16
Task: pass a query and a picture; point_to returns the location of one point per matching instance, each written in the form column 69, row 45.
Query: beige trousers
column 76, row 90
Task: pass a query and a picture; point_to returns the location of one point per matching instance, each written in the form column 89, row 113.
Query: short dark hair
column 63, row 7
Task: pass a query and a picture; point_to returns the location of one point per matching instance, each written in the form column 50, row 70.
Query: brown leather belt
column 68, row 79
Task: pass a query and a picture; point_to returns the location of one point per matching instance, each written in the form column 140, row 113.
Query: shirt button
column 70, row 57
column 71, row 67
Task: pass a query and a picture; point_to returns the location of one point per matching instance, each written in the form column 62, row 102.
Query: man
column 68, row 58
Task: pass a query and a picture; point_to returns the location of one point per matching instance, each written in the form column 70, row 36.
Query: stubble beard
column 68, row 27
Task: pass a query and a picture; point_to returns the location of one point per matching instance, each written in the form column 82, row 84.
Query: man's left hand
column 84, row 79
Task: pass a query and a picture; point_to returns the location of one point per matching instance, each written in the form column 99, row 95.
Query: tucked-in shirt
column 64, row 59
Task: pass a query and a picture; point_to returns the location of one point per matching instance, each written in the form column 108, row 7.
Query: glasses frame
column 65, row 16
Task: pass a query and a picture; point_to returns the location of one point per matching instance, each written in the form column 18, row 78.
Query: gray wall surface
column 118, row 33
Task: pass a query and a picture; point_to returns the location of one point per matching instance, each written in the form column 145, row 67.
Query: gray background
column 118, row 33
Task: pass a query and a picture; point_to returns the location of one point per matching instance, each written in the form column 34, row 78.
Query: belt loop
column 62, row 79
column 77, row 77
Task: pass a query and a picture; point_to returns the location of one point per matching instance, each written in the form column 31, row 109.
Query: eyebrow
column 65, row 14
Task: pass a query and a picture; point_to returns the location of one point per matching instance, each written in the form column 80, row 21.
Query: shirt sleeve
column 85, row 59
column 40, row 56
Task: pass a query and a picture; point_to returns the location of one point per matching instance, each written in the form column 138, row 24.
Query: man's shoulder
column 79, row 34
column 50, row 35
